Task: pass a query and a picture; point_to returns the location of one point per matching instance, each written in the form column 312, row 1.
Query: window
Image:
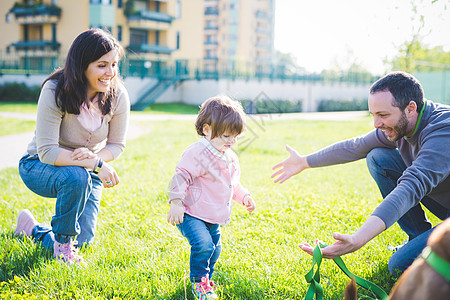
column 178, row 40
column 178, row 9
column 138, row 37
column 104, row 2
column 119, row 4
column 119, row 33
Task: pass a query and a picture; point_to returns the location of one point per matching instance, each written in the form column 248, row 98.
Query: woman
column 82, row 118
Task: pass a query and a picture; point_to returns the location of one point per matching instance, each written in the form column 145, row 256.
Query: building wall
column 8, row 27
column 185, row 35
column 74, row 20
column 190, row 26
column 311, row 93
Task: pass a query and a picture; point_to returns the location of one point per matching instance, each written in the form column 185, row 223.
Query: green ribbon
column 439, row 264
column 316, row 289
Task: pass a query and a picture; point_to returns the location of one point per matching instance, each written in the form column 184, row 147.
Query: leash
column 313, row 278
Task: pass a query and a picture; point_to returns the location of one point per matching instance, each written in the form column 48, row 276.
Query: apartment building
column 212, row 33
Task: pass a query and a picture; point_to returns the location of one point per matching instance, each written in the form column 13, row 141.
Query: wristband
column 98, row 166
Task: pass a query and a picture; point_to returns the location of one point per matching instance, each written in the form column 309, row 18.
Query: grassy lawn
column 171, row 108
column 18, row 107
column 14, row 126
column 138, row 255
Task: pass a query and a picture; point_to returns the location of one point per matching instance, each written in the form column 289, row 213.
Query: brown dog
column 421, row 281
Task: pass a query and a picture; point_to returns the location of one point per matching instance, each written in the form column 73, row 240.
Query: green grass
column 14, row 126
column 138, row 255
column 22, row 107
column 171, row 108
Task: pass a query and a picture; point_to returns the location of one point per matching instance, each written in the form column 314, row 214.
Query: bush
column 343, row 105
column 19, row 92
column 268, row 106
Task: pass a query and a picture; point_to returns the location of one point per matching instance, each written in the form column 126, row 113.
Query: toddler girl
column 203, row 187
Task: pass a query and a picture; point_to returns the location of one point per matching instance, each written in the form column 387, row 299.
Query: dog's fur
column 420, row 281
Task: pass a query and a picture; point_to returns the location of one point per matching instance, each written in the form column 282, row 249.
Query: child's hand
column 176, row 212
column 249, row 203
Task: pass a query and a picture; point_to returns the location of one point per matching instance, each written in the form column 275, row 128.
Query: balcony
column 264, row 31
column 36, row 14
column 214, row 43
column 146, row 19
column 212, row 11
column 148, row 48
column 262, row 15
column 36, row 45
column 211, row 27
column 215, row 58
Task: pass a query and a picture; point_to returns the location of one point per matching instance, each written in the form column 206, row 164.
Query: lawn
column 138, row 255
column 22, row 107
column 15, row 126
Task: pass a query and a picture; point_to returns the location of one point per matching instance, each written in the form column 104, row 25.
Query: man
column 408, row 155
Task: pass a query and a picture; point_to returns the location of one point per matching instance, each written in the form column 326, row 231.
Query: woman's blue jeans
column 386, row 166
column 206, row 246
column 77, row 192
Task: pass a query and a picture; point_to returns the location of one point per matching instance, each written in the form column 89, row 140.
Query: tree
column 414, row 55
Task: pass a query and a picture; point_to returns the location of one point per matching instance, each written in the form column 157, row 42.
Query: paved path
column 14, row 146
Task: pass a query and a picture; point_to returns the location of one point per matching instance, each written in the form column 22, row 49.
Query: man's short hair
column 403, row 86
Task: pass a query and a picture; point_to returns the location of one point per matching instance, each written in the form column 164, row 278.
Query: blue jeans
column 206, row 246
column 386, row 166
column 77, row 192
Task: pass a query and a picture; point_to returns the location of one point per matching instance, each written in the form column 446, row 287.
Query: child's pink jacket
column 207, row 181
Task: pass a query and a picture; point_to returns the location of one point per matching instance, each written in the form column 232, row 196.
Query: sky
column 324, row 33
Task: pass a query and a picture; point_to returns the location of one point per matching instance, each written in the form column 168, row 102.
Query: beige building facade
column 212, row 34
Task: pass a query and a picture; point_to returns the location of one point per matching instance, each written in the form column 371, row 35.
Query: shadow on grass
column 20, row 255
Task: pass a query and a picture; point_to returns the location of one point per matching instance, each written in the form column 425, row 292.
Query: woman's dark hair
column 72, row 85
column 403, row 87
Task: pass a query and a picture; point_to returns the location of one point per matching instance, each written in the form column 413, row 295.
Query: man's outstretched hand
column 289, row 167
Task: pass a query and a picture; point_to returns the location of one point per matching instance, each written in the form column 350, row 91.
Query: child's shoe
column 203, row 290
column 67, row 253
column 25, row 223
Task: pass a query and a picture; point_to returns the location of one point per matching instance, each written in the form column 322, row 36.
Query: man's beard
column 401, row 128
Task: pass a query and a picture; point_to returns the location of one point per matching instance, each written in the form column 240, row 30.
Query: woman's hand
column 82, row 153
column 176, row 212
column 108, row 176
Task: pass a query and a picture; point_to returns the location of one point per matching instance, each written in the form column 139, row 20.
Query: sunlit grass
column 18, row 107
column 138, row 255
column 14, row 126
column 171, row 108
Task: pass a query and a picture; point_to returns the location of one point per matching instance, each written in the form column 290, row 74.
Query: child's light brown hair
column 222, row 114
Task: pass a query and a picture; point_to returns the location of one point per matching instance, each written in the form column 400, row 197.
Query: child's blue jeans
column 386, row 166
column 77, row 192
column 206, row 246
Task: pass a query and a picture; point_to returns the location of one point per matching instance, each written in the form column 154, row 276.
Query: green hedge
column 19, row 92
column 343, row 105
column 268, row 106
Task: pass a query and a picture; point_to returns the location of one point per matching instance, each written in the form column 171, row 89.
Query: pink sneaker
column 67, row 253
column 203, row 290
column 25, row 223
